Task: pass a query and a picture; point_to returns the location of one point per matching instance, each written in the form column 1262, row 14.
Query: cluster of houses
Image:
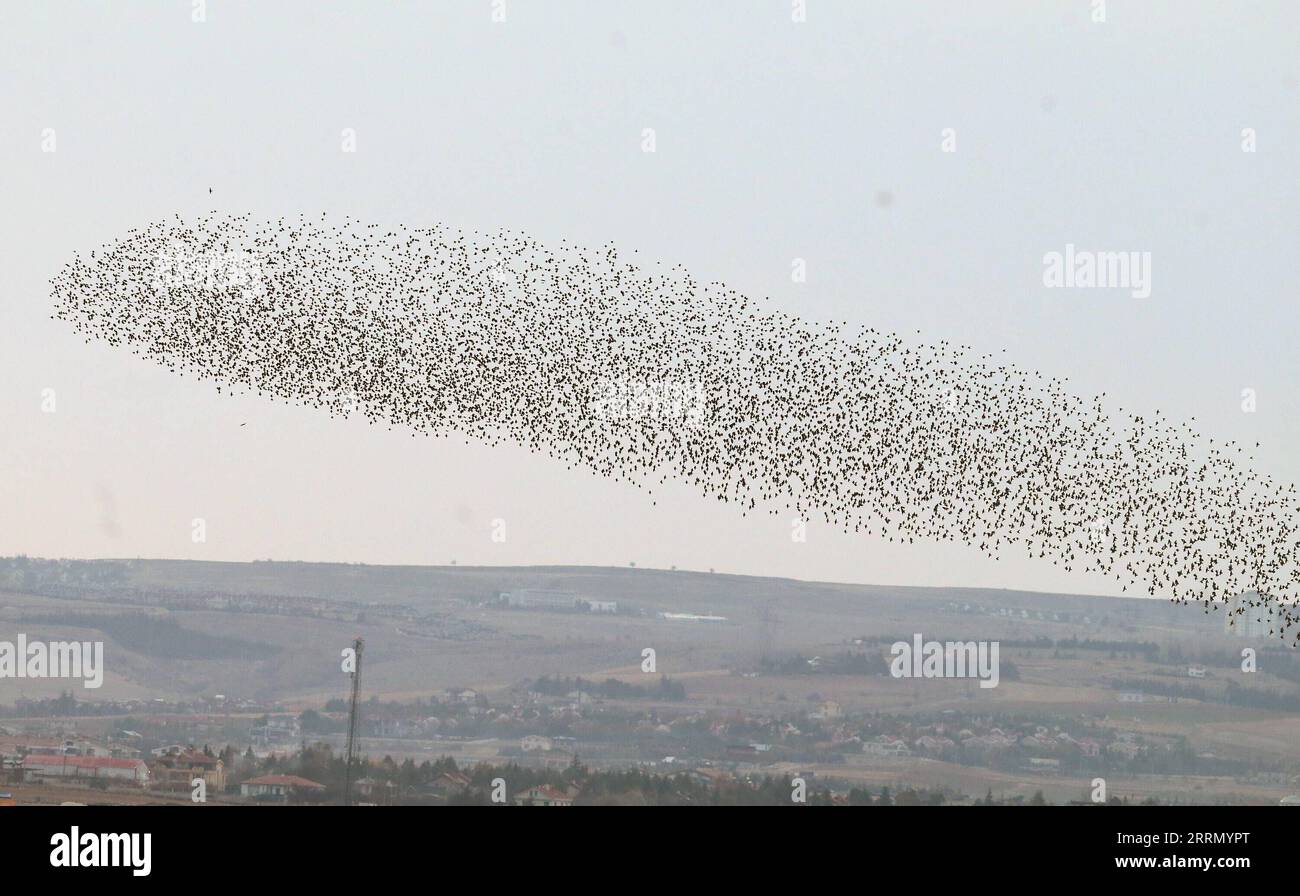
column 546, row 599
column 168, row 769
column 174, row 772
column 450, row 784
column 996, row 740
column 1019, row 613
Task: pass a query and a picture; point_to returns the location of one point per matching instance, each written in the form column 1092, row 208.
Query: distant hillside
column 273, row 630
column 653, row 589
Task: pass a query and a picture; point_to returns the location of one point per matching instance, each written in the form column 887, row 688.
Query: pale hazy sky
column 775, row 140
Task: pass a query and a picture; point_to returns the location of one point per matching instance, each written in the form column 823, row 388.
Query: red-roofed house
column 132, row 771
column 543, row 796
column 280, row 788
column 450, row 784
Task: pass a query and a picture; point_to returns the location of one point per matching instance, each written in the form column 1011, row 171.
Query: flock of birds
column 647, row 373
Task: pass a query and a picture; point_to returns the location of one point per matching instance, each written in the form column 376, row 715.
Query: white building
column 536, row 743
column 886, row 746
column 540, row 598
column 130, row 771
column 280, row 788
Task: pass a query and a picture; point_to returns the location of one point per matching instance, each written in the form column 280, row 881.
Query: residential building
column 449, row 784
column 281, row 788
column 178, row 771
column 535, row 743
column 103, row 768
column 540, row 598
column 543, row 796
column 886, row 746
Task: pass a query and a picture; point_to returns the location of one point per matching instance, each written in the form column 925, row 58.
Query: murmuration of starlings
column 643, row 373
